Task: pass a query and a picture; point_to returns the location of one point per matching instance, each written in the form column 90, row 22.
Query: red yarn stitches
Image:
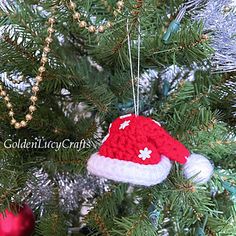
column 141, row 140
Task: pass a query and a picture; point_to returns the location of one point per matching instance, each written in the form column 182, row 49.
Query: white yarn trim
column 105, row 138
column 198, row 166
column 124, row 116
column 127, row 171
column 157, row 122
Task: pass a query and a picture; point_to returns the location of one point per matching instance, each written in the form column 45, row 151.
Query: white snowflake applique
column 124, row 124
column 144, row 154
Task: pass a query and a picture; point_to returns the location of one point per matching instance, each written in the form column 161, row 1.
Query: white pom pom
column 198, row 166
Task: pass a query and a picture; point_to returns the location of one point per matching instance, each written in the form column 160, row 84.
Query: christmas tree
column 71, row 68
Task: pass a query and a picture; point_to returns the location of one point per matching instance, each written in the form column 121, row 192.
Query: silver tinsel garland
column 74, row 190
column 219, row 19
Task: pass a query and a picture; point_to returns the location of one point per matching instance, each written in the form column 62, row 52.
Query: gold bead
column 28, row 117
column 42, row 69
column 39, row 78
column 50, row 30
column 101, row 29
column 46, row 49
column 72, row 5
column 51, row 20
column 9, row 105
column 33, row 98
column 91, row 29
column 11, row 113
column 120, row 4
column 32, row 108
column 109, row 24
column 44, row 59
column 7, row 99
column 3, row 93
column 35, row 89
column 23, row 123
column 104, row 2
column 17, row 125
column 115, row 13
column 205, row 37
column 227, row 8
column 82, row 24
column 13, row 121
column 48, row 40
column 76, row 16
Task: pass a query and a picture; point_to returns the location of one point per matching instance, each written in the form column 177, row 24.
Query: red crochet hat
column 138, row 150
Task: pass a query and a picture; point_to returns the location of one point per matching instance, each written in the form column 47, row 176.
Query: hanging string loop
column 135, row 80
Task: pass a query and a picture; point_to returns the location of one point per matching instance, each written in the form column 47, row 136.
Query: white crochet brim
column 127, row 171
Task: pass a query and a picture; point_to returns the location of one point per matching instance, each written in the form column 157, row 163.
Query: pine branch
column 21, row 50
column 134, row 226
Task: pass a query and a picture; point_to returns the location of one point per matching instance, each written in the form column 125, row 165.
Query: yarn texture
column 129, row 172
column 138, row 150
column 198, row 167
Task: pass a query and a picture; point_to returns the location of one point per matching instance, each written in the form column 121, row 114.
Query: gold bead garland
column 105, row 3
column 92, row 28
column 35, row 89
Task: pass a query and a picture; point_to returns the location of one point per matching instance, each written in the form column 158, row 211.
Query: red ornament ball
column 17, row 222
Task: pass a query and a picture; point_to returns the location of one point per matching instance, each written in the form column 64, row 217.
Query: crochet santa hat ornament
column 138, row 150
